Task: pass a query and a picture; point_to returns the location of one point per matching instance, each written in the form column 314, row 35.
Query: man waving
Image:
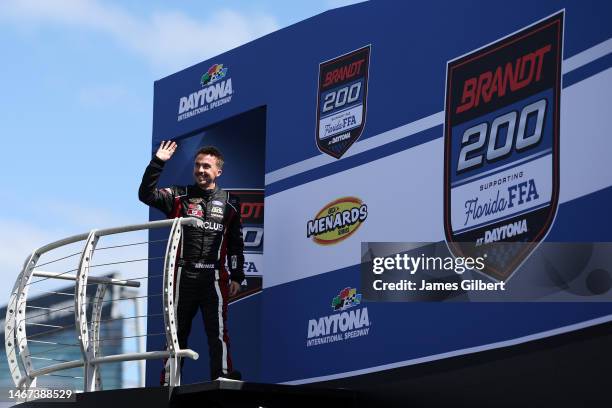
column 204, row 280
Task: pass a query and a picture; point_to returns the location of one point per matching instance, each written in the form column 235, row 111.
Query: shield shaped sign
column 501, row 146
column 341, row 102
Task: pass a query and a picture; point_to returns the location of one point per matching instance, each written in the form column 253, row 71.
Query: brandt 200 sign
column 501, row 146
column 341, row 104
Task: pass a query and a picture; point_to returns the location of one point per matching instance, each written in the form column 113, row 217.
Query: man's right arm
column 148, row 193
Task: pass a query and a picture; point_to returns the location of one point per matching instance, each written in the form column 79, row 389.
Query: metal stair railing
column 88, row 333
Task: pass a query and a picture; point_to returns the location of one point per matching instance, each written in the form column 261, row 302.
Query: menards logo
column 337, row 221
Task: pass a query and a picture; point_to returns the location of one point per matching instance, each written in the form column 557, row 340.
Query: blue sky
column 76, row 96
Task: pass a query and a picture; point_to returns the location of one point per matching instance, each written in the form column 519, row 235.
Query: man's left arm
column 235, row 247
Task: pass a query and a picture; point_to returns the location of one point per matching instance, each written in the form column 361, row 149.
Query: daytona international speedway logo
column 343, row 324
column 501, row 146
column 216, row 91
column 337, row 221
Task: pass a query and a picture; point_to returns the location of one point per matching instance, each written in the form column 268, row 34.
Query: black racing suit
column 202, row 273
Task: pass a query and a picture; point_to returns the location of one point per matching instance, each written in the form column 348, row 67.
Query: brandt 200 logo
column 216, row 91
column 341, row 101
column 252, row 216
column 501, row 146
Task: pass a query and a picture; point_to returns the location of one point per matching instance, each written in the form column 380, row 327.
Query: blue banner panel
column 532, row 83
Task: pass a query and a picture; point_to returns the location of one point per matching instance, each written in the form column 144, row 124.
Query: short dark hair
column 211, row 151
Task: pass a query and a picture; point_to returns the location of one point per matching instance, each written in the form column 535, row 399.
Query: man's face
column 206, row 171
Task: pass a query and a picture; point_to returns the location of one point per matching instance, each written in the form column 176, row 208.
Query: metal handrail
column 92, row 279
column 148, row 355
column 49, row 369
column 16, row 344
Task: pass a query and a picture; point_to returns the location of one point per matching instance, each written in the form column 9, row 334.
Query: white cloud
column 176, row 37
column 17, row 241
column 168, row 39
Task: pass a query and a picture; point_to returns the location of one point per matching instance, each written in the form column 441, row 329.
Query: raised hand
column 166, row 150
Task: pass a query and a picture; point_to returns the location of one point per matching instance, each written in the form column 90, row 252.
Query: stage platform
column 218, row 394
column 567, row 370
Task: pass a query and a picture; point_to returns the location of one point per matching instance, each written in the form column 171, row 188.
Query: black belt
column 199, row 265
